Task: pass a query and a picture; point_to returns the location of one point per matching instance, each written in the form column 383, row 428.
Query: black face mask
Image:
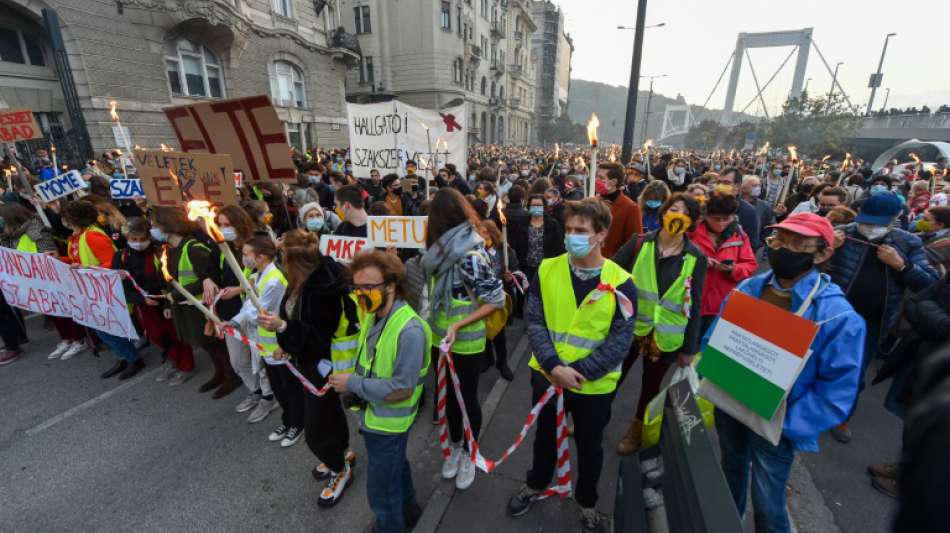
column 396, row 191
column 611, row 196
column 787, row 264
column 823, row 211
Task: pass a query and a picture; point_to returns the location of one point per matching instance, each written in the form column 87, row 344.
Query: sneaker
column 75, row 348
column 9, row 356
column 132, row 369
column 278, row 433
column 166, row 373
column 142, row 343
column 60, row 350
column 841, row 433
column 248, row 403
column 592, row 521
column 885, row 485
column 333, row 492
column 889, row 470
column 263, row 408
column 321, row 472
column 291, row 438
column 119, row 366
column 521, row 501
column 466, row 473
column 179, row 378
column 450, row 467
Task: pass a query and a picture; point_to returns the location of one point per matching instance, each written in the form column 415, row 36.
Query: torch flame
column 165, row 147
column 612, row 158
column 168, row 277
column 765, row 149
column 648, row 144
column 793, row 151
column 846, row 162
column 914, row 157
column 826, row 158
column 501, row 214
column 205, row 211
column 557, row 150
column 112, row 112
column 592, row 126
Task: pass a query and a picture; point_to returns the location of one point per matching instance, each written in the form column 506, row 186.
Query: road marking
column 69, row 413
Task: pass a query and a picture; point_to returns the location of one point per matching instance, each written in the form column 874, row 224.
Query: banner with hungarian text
column 43, row 284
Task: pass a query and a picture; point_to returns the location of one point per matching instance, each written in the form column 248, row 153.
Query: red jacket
column 625, row 222
column 737, row 248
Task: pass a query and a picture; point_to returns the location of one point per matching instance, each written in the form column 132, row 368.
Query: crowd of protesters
column 862, row 253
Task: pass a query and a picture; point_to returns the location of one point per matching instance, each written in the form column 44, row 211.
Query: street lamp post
column 834, row 81
column 887, row 94
column 646, row 116
column 632, row 91
column 877, row 76
column 805, row 90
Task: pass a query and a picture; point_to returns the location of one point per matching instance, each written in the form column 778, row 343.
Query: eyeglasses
column 367, row 287
column 776, row 241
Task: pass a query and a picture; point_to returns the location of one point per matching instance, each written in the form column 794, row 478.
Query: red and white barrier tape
column 562, row 486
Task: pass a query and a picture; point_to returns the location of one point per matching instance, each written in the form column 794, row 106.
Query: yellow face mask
column 369, row 300
column 339, row 212
column 676, row 223
column 101, row 220
column 267, row 219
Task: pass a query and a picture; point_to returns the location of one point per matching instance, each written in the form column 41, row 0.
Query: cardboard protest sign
column 756, row 352
column 18, row 125
column 343, row 249
column 46, row 285
column 245, row 128
column 59, row 186
column 176, row 178
column 386, row 135
column 126, row 189
column 397, row 232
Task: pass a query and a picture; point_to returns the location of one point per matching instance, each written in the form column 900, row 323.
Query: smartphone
column 728, row 262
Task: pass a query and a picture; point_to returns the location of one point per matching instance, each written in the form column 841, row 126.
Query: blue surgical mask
column 717, row 168
column 654, row 204
column 158, row 235
column 577, row 244
column 230, row 234
column 777, row 172
column 878, row 189
column 314, row 224
column 536, row 210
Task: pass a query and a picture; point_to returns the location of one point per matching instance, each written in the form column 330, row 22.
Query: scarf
column 440, row 263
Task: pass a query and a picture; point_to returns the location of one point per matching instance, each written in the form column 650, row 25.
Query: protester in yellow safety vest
column 393, row 361
column 669, row 272
column 189, row 262
column 463, row 291
column 258, row 255
column 315, row 304
column 580, row 316
column 21, row 229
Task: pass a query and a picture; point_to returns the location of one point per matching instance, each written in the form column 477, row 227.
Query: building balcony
column 497, row 68
column 346, row 44
column 516, row 70
column 497, row 29
column 514, row 103
column 494, row 101
column 517, row 36
column 473, row 53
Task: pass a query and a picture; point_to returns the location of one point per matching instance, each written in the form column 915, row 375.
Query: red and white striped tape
column 562, row 486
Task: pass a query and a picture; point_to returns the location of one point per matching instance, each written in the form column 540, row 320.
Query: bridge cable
column 756, row 80
column 702, row 110
column 764, row 87
column 828, row 67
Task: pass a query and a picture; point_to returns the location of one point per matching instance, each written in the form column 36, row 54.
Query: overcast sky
column 700, row 35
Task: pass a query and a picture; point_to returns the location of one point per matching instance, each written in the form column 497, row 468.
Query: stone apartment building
column 553, row 47
column 67, row 59
column 436, row 54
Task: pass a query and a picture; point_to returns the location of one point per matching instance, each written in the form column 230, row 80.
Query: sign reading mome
column 246, row 128
column 59, row 186
column 176, row 178
column 18, row 125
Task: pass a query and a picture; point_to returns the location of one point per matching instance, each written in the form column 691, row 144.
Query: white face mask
column 229, row 233
column 873, row 232
column 138, row 246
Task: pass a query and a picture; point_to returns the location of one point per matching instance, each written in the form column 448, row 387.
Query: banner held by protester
column 59, row 186
column 126, row 189
column 176, row 178
column 343, row 249
column 397, row 232
column 19, row 125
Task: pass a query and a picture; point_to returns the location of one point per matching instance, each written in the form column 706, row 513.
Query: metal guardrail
column 922, row 121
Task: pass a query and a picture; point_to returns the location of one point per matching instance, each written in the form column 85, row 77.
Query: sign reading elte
column 126, row 189
column 59, row 186
column 343, row 249
column 18, row 125
column 397, row 232
column 176, row 178
column 247, row 129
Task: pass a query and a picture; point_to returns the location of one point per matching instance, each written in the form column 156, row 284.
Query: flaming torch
column 201, row 209
column 592, row 125
column 557, row 156
column 504, row 234
column 190, row 298
column 916, row 159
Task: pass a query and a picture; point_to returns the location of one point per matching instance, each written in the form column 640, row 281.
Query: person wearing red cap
column 824, row 391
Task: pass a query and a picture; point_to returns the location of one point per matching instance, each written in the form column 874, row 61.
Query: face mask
column 314, row 180
column 101, row 220
column 267, row 219
column 717, row 168
column 872, row 232
column 924, row 226
column 756, row 191
column 339, row 212
column 369, row 301
column 654, row 204
column 610, row 196
column 525, row 173
column 823, row 211
column 577, row 244
column 777, row 172
column 397, row 191
column 158, row 235
column 471, row 177
column 679, row 171
column 536, row 210
column 787, row 264
column 676, row 223
column 314, row 224
column 878, row 189
column 675, row 176
column 332, row 188
column 139, row 246
column 229, row 233
column 249, row 262
column 564, row 172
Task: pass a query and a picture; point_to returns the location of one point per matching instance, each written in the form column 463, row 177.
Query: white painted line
column 69, row 413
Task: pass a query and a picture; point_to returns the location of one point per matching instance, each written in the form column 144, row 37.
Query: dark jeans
column 123, row 348
column 653, row 372
column 469, row 368
column 289, row 393
column 770, row 466
column 12, row 328
column 497, row 348
column 326, row 430
column 389, row 486
column 591, row 412
column 870, row 352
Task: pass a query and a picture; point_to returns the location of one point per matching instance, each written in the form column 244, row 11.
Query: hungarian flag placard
column 756, row 352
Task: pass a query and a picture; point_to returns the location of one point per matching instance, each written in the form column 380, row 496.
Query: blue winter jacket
column 848, row 259
column 824, row 391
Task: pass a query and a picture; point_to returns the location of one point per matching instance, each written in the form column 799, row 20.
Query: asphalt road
column 78, row 453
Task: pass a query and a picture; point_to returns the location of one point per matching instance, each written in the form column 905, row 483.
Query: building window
column 283, row 8
column 362, row 19
column 370, row 73
column 193, row 69
column 288, row 85
column 485, row 9
column 493, row 89
column 458, row 22
column 21, row 48
column 484, row 85
column 294, row 137
column 457, row 71
column 446, row 16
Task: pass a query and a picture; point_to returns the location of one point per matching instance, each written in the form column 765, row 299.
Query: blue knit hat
column 880, row 209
